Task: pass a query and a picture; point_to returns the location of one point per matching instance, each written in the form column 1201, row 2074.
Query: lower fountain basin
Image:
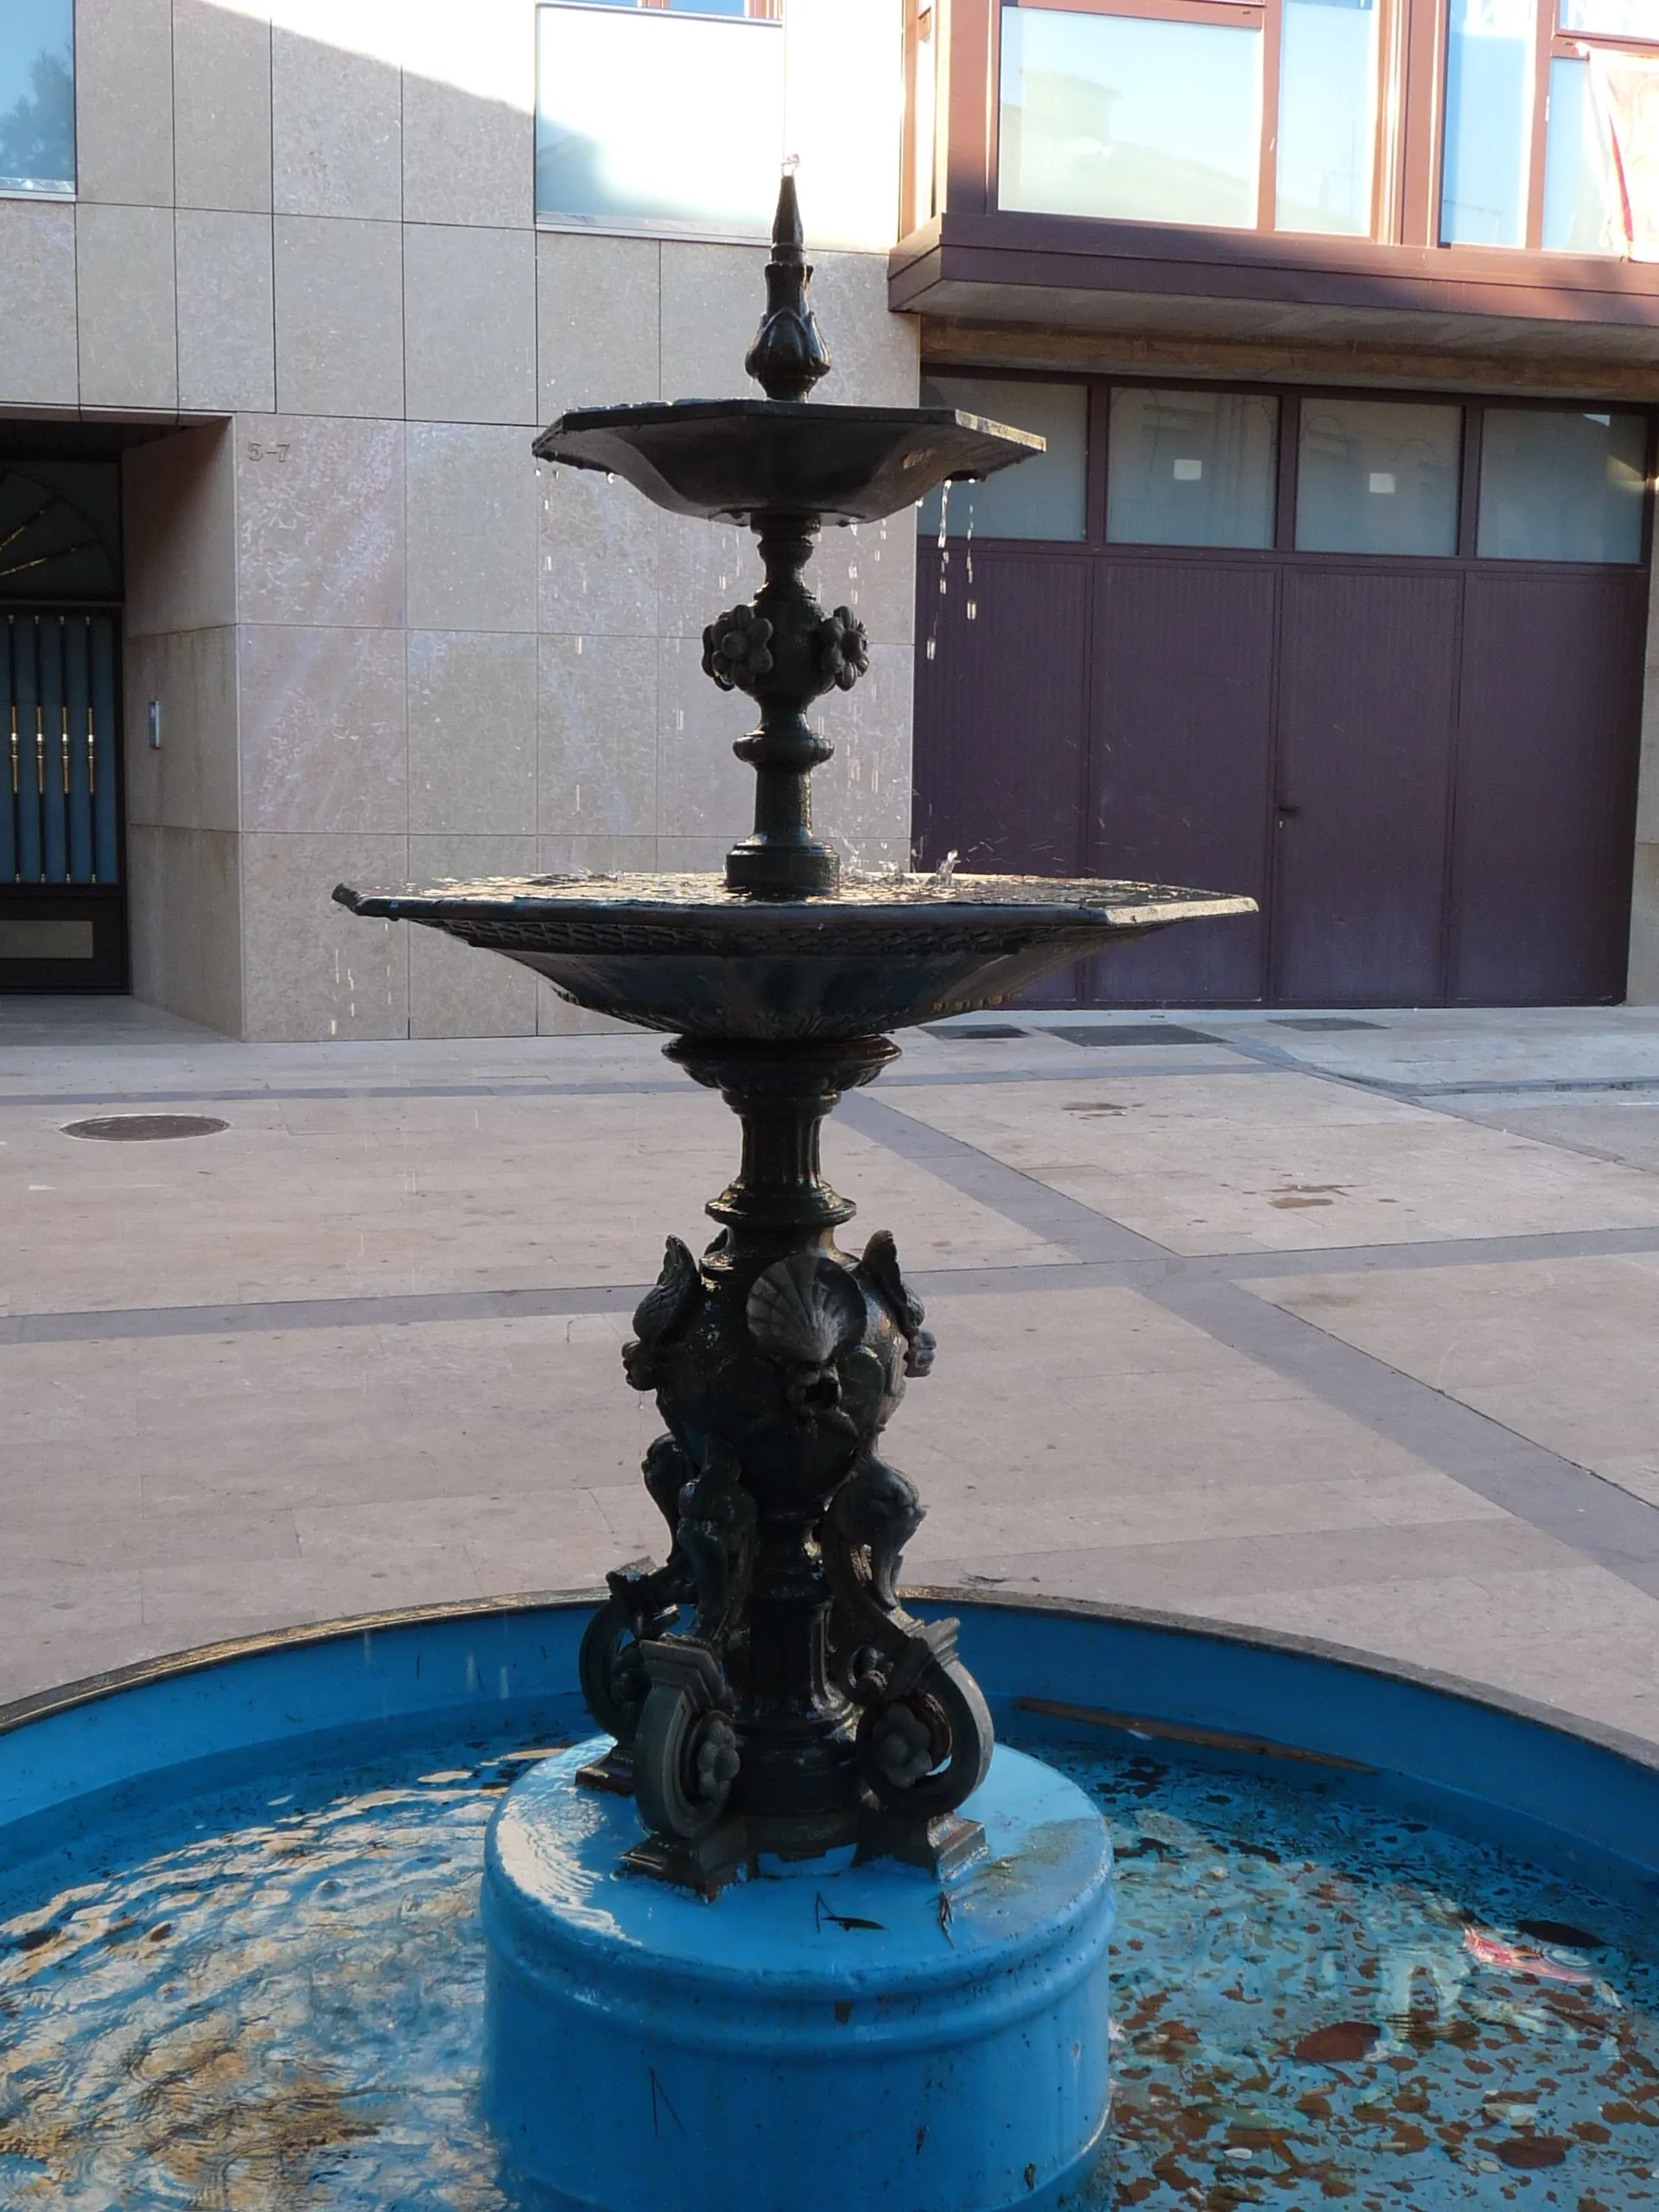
column 682, row 953
column 1378, row 1938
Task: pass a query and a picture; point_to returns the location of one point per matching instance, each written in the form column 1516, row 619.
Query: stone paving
column 1337, row 1324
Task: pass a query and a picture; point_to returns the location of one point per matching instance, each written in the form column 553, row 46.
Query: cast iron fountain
column 792, row 1937
column 770, row 1703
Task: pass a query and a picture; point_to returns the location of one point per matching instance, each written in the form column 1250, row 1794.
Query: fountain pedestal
column 826, row 2035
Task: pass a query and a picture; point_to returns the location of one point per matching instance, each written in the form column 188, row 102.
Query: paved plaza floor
column 1339, row 1325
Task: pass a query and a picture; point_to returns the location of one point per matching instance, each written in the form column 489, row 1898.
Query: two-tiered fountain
column 869, row 1952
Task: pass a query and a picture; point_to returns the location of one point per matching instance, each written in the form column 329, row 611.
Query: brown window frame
column 1267, row 16
column 1551, row 43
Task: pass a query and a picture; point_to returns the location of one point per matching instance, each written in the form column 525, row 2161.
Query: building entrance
column 62, row 903
column 1377, row 663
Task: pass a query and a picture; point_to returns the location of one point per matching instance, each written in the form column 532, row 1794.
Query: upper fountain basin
column 729, row 459
column 682, row 953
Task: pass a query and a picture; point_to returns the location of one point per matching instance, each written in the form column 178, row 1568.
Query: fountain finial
column 788, row 356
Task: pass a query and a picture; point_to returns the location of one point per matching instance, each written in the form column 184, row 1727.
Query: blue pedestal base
column 821, row 2036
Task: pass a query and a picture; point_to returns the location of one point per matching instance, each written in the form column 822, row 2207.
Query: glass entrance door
column 61, row 924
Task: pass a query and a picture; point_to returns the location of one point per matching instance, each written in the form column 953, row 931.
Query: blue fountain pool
column 251, row 1980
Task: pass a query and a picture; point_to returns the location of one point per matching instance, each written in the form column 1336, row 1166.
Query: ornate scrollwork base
column 766, row 1689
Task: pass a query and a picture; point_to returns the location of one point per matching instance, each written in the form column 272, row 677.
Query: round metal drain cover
column 145, row 1128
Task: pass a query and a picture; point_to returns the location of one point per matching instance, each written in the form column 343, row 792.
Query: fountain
column 787, row 1740
column 794, row 1933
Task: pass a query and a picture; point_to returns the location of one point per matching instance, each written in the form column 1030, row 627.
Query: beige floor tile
column 1559, row 1351
column 1282, row 1163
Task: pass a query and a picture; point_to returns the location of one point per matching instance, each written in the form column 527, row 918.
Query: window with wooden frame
column 1223, row 114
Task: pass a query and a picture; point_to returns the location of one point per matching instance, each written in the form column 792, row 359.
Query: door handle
column 1287, row 810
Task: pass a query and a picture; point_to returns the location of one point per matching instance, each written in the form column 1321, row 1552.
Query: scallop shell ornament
column 805, row 1309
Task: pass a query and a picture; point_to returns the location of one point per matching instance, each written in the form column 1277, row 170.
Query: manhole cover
column 144, row 1129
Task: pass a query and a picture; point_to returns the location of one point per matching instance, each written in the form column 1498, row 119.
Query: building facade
column 286, row 289
column 1342, row 319
column 1332, row 587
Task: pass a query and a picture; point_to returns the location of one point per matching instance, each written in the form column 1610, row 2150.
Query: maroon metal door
column 1546, row 757
column 1001, row 729
column 1367, row 701
column 1182, row 740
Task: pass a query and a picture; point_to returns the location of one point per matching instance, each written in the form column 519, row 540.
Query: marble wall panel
column 704, row 790
column 472, row 733
column 227, row 341
column 455, row 989
column 469, row 132
column 587, row 854
column 39, row 364
column 324, row 734
column 599, row 557
column 597, row 310
column 320, row 520
column 123, row 101
column 861, row 795
column 469, row 311
column 704, row 567
column 694, row 856
column 128, row 306
column 597, row 760
column 339, row 317
column 877, row 354
column 191, row 780
column 313, row 972
column 713, row 297
column 221, row 108
column 336, row 126
column 471, row 494
column 179, row 517
column 872, row 568
column 1642, row 988
column 184, row 899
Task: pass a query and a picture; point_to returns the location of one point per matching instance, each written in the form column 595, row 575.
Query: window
column 1048, row 497
column 37, row 96
column 1192, row 468
column 1576, row 86
column 1561, row 486
column 1157, row 112
column 1375, row 476
column 660, row 117
column 1486, row 165
column 1140, row 117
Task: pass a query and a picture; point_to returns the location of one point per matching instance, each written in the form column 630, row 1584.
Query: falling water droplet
column 972, row 610
column 932, row 647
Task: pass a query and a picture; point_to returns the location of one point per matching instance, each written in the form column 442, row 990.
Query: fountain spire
column 788, row 356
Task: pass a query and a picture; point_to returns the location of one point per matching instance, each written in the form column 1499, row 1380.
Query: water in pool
column 269, row 2000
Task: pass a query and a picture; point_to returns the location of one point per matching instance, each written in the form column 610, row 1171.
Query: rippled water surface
column 272, row 2005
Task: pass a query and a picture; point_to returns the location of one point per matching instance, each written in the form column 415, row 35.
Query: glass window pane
column 1327, row 116
column 1487, row 123
column 1611, row 18
column 1582, row 212
column 37, row 96
column 1560, row 486
column 1192, row 468
column 1048, row 497
column 1375, row 476
column 649, row 120
column 1124, row 116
